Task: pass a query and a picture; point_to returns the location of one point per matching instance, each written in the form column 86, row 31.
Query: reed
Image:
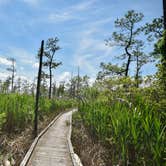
column 135, row 133
column 17, row 110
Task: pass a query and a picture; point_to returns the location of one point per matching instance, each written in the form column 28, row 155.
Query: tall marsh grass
column 135, row 134
column 17, row 110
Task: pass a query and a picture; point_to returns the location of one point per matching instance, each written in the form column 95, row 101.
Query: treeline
column 61, row 89
column 17, row 95
column 49, row 88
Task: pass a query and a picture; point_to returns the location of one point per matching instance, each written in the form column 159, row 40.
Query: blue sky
column 81, row 25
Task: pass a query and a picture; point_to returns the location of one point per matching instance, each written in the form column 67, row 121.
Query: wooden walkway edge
column 53, row 145
column 30, row 151
column 75, row 159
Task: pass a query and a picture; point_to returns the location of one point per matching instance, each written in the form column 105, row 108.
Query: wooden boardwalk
column 52, row 148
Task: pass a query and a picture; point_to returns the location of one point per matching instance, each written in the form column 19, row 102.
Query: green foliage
column 154, row 30
column 50, row 62
column 160, row 48
column 128, row 38
column 17, row 111
column 131, row 126
column 110, row 70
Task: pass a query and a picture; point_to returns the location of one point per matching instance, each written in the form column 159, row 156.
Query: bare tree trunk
column 13, row 72
column 127, row 66
column 50, row 87
column 137, row 74
column 12, row 81
column 38, row 90
column 164, row 54
column 71, row 86
column 164, row 13
column 127, row 52
column 78, row 81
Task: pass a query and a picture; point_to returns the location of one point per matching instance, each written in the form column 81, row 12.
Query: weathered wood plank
column 52, row 148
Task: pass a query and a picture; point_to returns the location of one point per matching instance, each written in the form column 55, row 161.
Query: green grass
column 135, row 134
column 17, row 110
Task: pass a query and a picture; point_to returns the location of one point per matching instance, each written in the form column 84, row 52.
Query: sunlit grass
column 135, row 133
column 17, row 110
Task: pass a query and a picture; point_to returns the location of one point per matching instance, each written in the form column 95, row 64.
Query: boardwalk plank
column 52, row 148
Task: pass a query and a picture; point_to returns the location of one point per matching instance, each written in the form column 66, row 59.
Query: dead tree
column 38, row 89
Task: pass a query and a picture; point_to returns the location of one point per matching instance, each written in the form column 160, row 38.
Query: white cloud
column 3, row 75
column 84, row 64
column 101, row 22
column 22, row 55
column 70, row 12
column 91, row 51
column 24, row 76
column 36, row 65
column 4, row 61
column 25, row 62
column 60, row 17
column 63, row 77
column 92, row 80
column 83, row 5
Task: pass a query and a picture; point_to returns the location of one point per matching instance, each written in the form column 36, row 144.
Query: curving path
column 52, row 148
